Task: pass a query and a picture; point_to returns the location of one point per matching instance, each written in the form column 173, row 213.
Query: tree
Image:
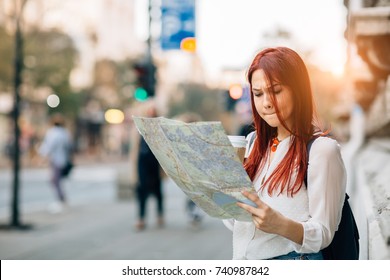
column 53, row 73
column 15, row 221
column 49, row 59
column 195, row 98
column 52, row 55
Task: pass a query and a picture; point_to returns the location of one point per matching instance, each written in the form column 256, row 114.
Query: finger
column 253, row 197
column 248, row 208
column 256, row 222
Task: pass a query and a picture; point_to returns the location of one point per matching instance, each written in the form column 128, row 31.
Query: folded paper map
column 201, row 161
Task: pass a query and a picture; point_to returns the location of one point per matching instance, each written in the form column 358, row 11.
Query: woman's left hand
column 264, row 217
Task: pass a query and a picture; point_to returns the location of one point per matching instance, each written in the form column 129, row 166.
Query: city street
column 87, row 184
column 97, row 225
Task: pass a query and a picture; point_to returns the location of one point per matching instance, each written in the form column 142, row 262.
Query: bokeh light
column 53, row 100
column 235, row 91
column 188, row 44
column 114, row 116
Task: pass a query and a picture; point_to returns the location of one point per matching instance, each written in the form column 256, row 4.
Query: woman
column 57, row 148
column 149, row 177
column 291, row 221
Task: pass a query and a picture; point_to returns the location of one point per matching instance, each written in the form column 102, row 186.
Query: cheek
column 286, row 109
column 258, row 106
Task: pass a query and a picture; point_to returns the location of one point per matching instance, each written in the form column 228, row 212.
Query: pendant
column 274, row 144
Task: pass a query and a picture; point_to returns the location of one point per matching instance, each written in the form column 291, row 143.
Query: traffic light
column 145, row 80
column 140, row 94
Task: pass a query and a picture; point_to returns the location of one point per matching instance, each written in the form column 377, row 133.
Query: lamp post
column 149, row 59
column 18, row 68
column 15, row 222
column 145, row 70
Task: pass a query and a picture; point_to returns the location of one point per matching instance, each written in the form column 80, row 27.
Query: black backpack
column 345, row 243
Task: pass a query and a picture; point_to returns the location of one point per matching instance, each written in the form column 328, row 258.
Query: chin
column 272, row 122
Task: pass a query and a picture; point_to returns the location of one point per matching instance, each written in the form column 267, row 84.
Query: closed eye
column 277, row 89
column 258, row 93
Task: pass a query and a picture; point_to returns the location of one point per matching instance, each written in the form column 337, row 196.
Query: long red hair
column 285, row 66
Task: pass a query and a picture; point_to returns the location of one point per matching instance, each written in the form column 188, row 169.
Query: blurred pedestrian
column 149, row 178
column 57, row 149
column 298, row 198
column 246, row 128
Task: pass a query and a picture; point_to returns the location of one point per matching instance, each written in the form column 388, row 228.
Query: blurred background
column 98, row 62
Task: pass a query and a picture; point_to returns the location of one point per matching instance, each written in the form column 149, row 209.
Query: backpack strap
column 308, row 147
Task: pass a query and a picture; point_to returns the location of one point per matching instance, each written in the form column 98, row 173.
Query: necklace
column 274, row 144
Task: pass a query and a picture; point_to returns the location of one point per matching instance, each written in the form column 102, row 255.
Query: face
column 261, row 91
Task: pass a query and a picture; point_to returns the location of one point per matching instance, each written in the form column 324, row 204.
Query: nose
column 267, row 102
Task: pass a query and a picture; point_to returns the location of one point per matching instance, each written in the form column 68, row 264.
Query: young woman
column 291, row 220
column 57, row 147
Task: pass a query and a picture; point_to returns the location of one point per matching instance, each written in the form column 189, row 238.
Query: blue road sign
column 177, row 22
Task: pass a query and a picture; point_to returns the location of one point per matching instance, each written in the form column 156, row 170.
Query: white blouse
column 317, row 207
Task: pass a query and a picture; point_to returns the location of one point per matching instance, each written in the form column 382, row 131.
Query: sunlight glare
column 337, row 70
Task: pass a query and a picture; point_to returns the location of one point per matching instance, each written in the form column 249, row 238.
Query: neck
column 282, row 134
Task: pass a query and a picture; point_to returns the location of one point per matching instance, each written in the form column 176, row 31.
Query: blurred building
column 368, row 34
